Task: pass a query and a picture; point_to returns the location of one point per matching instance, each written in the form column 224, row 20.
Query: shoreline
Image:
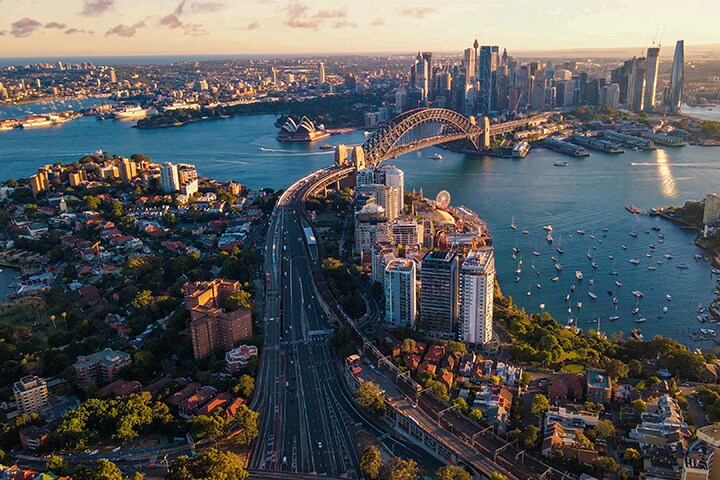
column 714, row 256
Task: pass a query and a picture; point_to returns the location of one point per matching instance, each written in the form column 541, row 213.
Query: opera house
column 303, row 131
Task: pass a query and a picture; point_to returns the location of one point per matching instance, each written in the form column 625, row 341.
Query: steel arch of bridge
column 401, row 135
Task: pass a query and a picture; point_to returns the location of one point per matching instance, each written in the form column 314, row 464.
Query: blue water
column 590, row 194
column 40, row 108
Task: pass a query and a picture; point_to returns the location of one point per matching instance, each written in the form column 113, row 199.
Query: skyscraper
column 469, row 66
column 651, row 74
column 321, row 72
column 636, row 85
column 393, row 177
column 677, row 77
column 487, row 68
column 439, row 292
column 400, row 296
column 477, row 284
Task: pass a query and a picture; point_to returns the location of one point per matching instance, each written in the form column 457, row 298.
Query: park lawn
column 573, row 368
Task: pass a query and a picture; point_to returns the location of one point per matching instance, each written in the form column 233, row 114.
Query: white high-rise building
column 400, row 295
column 321, row 72
column 385, row 196
column 169, row 178
column 477, row 283
column 392, row 176
column 365, row 176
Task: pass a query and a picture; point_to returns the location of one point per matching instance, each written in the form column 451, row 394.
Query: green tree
column 399, row 469
column 370, row 397
column 616, row 369
column 540, row 405
column 91, row 203
column 497, row 476
column 635, row 368
column 409, row 346
column 454, row 346
column 245, row 386
column 143, row 299
column 476, row 415
column 632, row 456
column 529, row 437
column 461, row 405
column 525, row 379
column 207, row 426
column 604, row 465
column 30, row 210
column 57, row 465
column 639, row 406
column 99, row 470
column 238, row 299
column 371, row 462
column 583, row 442
column 137, row 476
column 211, row 464
column 247, row 420
column 451, row 472
column 605, row 429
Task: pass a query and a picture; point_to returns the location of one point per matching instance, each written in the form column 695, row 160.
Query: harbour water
column 589, row 194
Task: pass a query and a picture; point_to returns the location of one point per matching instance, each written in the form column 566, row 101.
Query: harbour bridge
column 424, row 127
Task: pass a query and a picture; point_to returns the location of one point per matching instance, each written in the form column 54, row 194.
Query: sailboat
column 589, row 254
column 535, row 252
column 613, row 272
column 591, row 294
column 512, row 223
column 559, row 247
column 549, row 237
column 519, row 266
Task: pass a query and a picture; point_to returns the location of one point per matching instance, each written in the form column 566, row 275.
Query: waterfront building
column 439, row 281
column 212, row 325
column 303, row 131
column 599, row 386
column 677, row 77
column 31, row 394
column 711, row 214
column 477, row 285
column 101, row 367
column 321, row 72
column 169, row 178
column 400, row 295
column 651, row 75
column 371, row 227
column 127, row 170
column 407, row 232
column 77, row 178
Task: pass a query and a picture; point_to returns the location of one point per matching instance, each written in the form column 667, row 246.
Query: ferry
column 578, row 275
column 436, row 156
column 130, row 113
column 521, row 150
column 632, row 209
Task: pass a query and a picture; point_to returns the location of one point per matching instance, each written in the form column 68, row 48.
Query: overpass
column 425, row 127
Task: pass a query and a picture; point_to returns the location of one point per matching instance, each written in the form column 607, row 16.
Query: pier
column 565, row 147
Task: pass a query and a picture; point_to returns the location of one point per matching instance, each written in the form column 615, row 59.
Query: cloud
column 95, row 8
column 421, row 12
column 122, row 30
column 173, row 21
column 72, row 30
column 56, row 25
column 345, row 24
column 206, row 7
column 24, row 27
column 377, row 22
column 252, row 26
column 3, row 32
column 339, row 13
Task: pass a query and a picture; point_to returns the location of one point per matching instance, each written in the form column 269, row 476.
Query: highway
column 307, row 414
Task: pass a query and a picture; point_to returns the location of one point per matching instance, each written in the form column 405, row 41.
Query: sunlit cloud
column 252, row 26
column 24, row 27
column 123, row 30
column 420, row 12
column 95, row 8
column 59, row 26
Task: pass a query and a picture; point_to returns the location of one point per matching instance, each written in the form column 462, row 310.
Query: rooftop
column 400, row 264
column 598, row 379
column 478, row 259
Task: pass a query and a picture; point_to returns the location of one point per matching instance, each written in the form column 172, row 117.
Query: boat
column 560, row 250
column 683, row 266
column 633, row 234
column 651, row 268
column 697, row 256
column 553, row 258
column 512, row 223
column 521, row 150
column 605, row 229
column 580, row 232
column 632, row 209
column 516, row 250
column 558, row 267
column 327, row 146
column 668, row 256
column 560, row 164
column 638, row 294
column 572, row 287
column 578, row 304
column 636, row 334
column 549, row 237
column 517, row 279
column 648, row 254
column 656, row 228
column 435, row 156
column 592, row 295
column 567, row 297
column 548, row 228
column 665, row 309
column 635, row 310
column 614, row 317
column 589, row 254
column 538, row 286
column 634, row 261
column 536, row 253
column 668, row 297
column 542, row 306
column 661, row 236
column 525, row 232
column 652, row 246
column 594, row 265
column 618, row 283
column 660, row 262
column 610, row 292
column 366, row 133
column 614, row 273
column 554, row 279
column 640, row 320
column 615, row 301
column 578, row 275
column 591, row 281
column 624, row 247
column 519, row 266
column 610, row 257
column 592, row 236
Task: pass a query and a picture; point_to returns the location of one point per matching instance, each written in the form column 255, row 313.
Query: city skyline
column 121, row 27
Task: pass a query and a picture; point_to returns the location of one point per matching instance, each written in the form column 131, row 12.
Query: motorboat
column 567, row 297
column 634, row 261
column 578, row 304
column 618, row 283
column 549, row 237
column 592, row 295
column 615, row 301
column 668, row 297
column 538, row 286
column 610, row 257
column 638, row 293
column 624, row 247
column 614, row 317
column 435, row 156
column 572, row 287
column 635, row 310
column 633, row 234
column 580, row 232
column 640, row 320
column 578, row 275
column 651, row 268
column 548, row 228
column 668, row 256
column 683, row 266
column 594, row 265
column 554, row 279
column 558, row 267
column 525, row 232
column 517, row 279
column 536, row 253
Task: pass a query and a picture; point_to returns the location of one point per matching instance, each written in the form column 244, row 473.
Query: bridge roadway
column 307, row 415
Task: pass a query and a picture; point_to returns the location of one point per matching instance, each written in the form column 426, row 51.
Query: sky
column 165, row 27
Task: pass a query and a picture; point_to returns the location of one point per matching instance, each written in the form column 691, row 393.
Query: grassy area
column 573, row 368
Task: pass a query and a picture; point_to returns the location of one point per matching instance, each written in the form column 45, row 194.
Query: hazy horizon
column 317, row 27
